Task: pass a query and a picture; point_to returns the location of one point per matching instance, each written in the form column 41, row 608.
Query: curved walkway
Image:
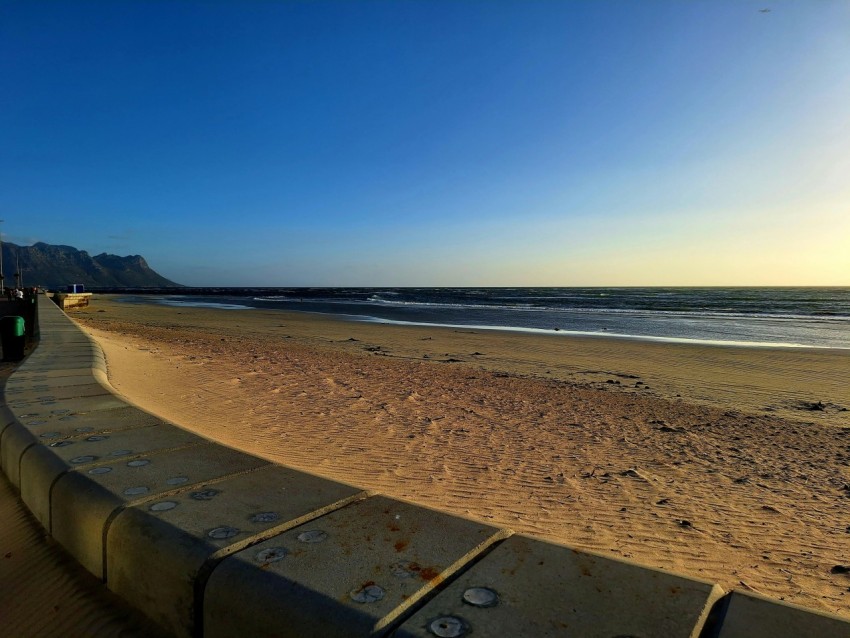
column 44, row 593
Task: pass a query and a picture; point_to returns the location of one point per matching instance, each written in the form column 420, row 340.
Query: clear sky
column 436, row 142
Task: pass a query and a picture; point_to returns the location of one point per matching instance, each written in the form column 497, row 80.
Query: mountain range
column 55, row 266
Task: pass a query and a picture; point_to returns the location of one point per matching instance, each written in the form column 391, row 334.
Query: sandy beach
column 728, row 464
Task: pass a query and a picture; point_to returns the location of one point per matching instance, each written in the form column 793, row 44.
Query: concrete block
column 64, row 332
column 61, row 327
column 6, row 419
column 68, row 300
column 55, row 424
column 82, row 502
column 13, row 442
column 80, row 364
column 37, row 475
column 159, row 553
column 42, row 358
column 42, row 464
column 66, row 350
column 26, row 374
column 46, row 366
column 39, row 393
column 46, row 384
column 526, row 587
column 751, row 616
column 57, row 340
column 70, row 357
column 352, row 572
column 127, row 442
column 79, row 405
column 45, row 379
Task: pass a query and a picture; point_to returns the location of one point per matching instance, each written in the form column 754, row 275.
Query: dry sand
column 727, row 464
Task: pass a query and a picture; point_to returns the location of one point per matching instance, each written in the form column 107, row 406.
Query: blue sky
column 434, row 143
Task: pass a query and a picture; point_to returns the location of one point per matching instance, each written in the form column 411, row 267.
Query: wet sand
column 727, row 464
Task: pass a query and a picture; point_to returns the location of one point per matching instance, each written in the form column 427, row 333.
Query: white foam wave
column 202, row 304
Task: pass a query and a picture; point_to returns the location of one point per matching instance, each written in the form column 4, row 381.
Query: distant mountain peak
column 55, row 266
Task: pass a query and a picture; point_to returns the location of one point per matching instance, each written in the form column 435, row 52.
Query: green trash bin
column 13, row 337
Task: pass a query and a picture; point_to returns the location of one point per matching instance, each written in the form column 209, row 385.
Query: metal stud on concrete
column 448, row 627
column 156, row 553
column 162, row 506
column 526, row 587
column 271, row 555
column 40, row 467
column 352, row 572
column 312, row 536
column 82, row 503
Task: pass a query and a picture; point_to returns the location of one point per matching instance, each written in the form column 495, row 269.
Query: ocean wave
column 707, row 312
column 590, row 333
column 826, row 316
column 773, row 318
column 202, row 304
column 696, row 313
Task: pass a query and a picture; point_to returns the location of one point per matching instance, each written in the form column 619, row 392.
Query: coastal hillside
column 51, row 266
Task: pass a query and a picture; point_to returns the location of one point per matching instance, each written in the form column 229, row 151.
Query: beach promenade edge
column 209, row 541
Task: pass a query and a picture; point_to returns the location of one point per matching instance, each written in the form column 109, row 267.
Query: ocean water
column 789, row 317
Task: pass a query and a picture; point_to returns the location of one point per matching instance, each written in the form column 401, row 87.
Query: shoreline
column 659, row 453
column 599, row 335
column 603, row 333
column 43, row 591
column 781, row 381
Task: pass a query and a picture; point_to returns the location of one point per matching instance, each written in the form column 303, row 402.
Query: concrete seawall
column 209, row 541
